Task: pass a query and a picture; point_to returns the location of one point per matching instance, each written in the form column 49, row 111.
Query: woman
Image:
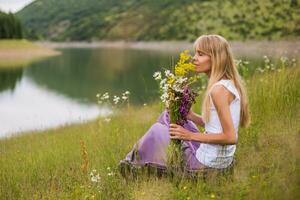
column 224, row 109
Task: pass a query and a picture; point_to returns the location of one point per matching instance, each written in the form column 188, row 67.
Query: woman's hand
column 178, row 132
column 197, row 119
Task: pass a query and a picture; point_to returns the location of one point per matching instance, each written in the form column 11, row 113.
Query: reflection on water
column 9, row 79
column 31, row 107
column 63, row 89
column 82, row 73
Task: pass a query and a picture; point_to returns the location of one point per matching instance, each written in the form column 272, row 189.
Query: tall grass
column 48, row 164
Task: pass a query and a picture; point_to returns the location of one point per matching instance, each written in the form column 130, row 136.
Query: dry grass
column 20, row 53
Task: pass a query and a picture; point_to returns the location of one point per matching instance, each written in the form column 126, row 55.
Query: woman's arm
column 194, row 117
column 221, row 98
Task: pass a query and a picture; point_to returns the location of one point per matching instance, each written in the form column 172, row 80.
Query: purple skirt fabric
column 152, row 147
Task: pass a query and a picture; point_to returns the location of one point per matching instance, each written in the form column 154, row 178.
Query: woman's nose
column 194, row 59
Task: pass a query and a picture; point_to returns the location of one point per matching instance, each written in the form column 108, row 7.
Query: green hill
column 70, row 20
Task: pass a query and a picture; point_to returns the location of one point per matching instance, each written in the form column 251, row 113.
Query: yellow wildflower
column 171, row 81
column 179, row 71
column 171, row 95
column 184, row 56
column 183, row 66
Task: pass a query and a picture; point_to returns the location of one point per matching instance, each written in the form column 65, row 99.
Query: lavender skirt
column 151, row 149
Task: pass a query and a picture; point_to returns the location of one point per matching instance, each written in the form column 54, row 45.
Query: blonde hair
column 222, row 64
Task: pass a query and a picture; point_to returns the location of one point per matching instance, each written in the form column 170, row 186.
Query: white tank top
column 214, row 155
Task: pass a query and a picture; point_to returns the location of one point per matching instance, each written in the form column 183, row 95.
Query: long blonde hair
column 222, row 64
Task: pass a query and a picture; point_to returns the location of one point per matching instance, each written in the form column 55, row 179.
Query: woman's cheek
column 198, row 68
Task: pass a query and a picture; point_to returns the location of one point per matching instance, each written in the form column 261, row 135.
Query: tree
column 10, row 26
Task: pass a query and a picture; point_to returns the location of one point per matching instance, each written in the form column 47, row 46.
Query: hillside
column 72, row 20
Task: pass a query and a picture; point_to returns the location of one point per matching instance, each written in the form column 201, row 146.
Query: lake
column 62, row 89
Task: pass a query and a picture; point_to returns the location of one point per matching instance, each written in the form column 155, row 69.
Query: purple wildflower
column 187, row 98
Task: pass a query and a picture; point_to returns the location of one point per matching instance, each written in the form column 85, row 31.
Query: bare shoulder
column 219, row 91
column 220, row 95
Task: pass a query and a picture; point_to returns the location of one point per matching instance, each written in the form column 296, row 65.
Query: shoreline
column 20, row 53
column 252, row 48
column 153, row 45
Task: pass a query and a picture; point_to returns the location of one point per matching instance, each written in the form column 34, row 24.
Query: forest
column 10, row 26
column 144, row 20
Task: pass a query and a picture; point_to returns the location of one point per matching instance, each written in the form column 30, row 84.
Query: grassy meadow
column 20, row 53
column 56, row 164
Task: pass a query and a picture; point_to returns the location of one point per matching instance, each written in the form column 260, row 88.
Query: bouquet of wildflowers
column 178, row 97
